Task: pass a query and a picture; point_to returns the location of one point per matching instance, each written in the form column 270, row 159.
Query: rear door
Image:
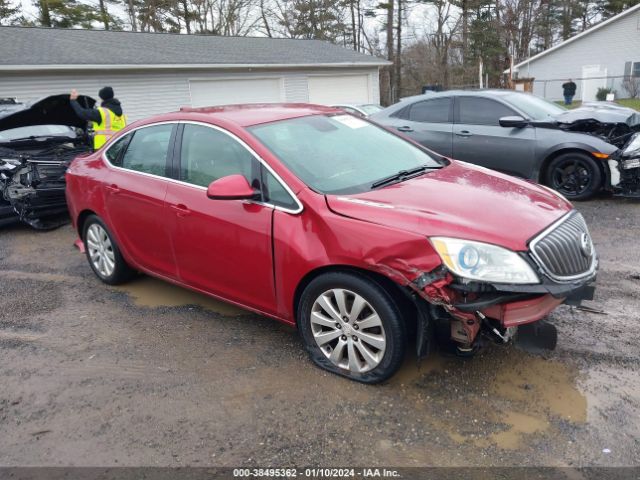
column 478, row 137
column 221, row 246
column 135, row 194
column 429, row 122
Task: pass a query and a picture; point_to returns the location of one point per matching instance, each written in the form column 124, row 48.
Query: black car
column 521, row 134
column 37, row 143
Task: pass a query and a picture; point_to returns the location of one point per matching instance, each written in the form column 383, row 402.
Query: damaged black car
column 37, row 143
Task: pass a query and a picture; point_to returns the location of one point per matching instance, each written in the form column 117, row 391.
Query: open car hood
column 603, row 113
column 54, row 110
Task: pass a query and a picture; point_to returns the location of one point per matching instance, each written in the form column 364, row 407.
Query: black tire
column 121, row 271
column 393, row 325
column 576, row 175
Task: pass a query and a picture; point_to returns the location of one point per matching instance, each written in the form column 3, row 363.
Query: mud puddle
column 503, row 398
column 152, row 293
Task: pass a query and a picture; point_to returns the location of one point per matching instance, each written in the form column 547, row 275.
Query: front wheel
column 351, row 326
column 575, row 175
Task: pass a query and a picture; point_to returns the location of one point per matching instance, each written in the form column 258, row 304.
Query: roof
column 23, row 48
column 254, row 114
column 577, row 37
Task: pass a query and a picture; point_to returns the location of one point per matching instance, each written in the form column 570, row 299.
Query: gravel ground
column 151, row 374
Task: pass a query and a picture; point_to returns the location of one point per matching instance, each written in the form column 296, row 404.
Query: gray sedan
column 504, row 130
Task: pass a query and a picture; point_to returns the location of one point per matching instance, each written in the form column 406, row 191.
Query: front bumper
column 513, row 305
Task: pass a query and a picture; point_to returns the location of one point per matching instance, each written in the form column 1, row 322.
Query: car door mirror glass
column 231, row 187
column 513, row 121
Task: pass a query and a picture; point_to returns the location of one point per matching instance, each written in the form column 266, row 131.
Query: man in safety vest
column 105, row 120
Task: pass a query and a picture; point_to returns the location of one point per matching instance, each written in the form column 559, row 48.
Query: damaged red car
column 357, row 236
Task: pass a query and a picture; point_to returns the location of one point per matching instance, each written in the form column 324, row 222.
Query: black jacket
column 569, row 88
column 92, row 114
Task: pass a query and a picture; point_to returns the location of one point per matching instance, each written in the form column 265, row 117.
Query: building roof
column 577, row 37
column 47, row 48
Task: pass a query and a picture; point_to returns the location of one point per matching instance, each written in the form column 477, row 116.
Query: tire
column 561, row 175
column 103, row 254
column 370, row 342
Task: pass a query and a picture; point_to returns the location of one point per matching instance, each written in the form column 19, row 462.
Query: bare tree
column 632, row 86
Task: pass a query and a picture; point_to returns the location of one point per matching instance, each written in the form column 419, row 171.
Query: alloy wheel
column 348, row 330
column 100, row 250
column 571, row 177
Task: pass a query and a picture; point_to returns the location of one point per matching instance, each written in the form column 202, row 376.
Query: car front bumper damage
column 472, row 307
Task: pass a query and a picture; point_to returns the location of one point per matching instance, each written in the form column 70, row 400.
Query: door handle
column 113, row 188
column 464, row 133
column 181, row 210
column 405, row 129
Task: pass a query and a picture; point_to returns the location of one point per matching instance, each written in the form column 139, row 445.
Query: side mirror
column 515, row 121
column 232, row 187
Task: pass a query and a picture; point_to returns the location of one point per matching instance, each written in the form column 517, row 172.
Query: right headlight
column 483, row 262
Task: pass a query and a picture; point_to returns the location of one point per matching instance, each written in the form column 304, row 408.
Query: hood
column 461, row 200
column 54, row 110
column 600, row 112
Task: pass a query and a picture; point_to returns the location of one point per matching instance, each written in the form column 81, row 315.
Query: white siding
column 296, row 88
column 610, row 47
column 327, row 89
column 236, row 90
column 145, row 93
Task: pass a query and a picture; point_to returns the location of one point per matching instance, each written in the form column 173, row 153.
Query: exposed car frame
column 32, row 168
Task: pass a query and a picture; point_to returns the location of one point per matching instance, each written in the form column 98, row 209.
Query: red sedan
column 359, row 237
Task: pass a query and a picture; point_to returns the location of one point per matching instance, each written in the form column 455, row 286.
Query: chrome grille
column 565, row 251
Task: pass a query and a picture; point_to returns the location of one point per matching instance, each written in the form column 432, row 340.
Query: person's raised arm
column 88, row 114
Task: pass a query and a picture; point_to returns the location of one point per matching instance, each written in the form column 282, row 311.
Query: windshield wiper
column 403, row 175
column 39, row 137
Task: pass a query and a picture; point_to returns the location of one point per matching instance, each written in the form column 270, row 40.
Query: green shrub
column 602, row 94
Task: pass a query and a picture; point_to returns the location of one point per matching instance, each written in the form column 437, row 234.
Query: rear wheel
column 575, row 175
column 103, row 253
column 351, row 326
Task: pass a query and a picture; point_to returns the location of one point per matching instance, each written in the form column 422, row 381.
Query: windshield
column 535, row 108
column 37, row 131
column 340, row 153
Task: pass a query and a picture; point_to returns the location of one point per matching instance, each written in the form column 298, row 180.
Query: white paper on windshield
column 349, row 121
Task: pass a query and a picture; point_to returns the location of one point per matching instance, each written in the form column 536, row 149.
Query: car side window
column 275, row 193
column 436, row 110
column 208, row 154
column 481, row 111
column 114, row 152
column 147, row 151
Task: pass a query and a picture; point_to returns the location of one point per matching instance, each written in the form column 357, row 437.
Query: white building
column 601, row 56
column 154, row 73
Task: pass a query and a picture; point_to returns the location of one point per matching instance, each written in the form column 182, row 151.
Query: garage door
column 224, row 92
column 339, row 89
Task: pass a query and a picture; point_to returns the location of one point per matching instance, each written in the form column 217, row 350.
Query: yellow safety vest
column 110, row 123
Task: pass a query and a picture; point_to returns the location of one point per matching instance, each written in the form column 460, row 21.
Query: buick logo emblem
column 586, row 246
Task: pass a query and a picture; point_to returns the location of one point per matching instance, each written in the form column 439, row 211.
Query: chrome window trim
column 295, row 211
column 540, row 263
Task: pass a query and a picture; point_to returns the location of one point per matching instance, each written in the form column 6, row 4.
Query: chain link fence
column 587, row 87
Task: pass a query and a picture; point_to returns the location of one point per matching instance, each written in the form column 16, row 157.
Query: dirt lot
column 151, row 374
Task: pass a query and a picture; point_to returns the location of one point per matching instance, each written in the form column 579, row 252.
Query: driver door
column 221, row 246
